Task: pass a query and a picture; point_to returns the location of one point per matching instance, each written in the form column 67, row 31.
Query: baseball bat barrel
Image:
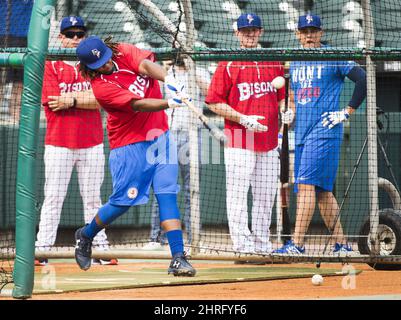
column 284, row 178
column 214, row 131
column 284, row 172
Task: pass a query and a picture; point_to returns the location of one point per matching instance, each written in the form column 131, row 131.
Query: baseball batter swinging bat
column 166, row 22
column 284, row 174
column 215, row 132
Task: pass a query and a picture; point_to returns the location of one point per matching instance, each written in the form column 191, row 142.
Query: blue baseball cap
column 72, row 22
column 309, row 20
column 249, row 20
column 93, row 52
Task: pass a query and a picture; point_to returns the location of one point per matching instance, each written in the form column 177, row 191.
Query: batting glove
column 175, row 88
column 175, row 103
column 287, row 117
column 252, row 124
column 331, row 119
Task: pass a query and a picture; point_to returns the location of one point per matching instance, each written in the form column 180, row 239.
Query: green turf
column 47, row 280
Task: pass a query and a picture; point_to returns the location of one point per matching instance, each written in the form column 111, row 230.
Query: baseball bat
column 214, row 131
column 284, row 173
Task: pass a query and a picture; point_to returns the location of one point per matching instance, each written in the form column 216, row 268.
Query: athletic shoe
column 41, row 262
column 180, row 266
column 83, row 250
column 290, row 248
column 152, row 246
column 110, row 262
column 342, row 249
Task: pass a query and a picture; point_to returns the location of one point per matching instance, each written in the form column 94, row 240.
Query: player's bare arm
column 152, row 105
column 250, row 122
column 80, row 100
column 157, row 72
column 153, row 70
column 203, row 84
column 224, row 110
column 149, row 105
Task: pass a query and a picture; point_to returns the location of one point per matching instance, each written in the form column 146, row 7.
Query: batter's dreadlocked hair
column 91, row 74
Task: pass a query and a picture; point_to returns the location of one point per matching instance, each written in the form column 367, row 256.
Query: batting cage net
column 309, row 169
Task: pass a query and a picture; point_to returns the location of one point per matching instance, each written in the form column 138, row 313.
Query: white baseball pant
column 59, row 163
column 259, row 170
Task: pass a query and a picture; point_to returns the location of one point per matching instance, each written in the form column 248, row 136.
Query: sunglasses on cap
column 72, row 34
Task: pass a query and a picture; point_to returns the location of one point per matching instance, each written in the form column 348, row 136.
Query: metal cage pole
column 195, row 220
column 38, row 38
column 371, row 128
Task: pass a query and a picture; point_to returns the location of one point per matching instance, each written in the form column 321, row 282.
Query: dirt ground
column 368, row 283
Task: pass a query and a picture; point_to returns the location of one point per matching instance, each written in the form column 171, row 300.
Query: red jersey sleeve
column 111, row 95
column 220, row 85
column 135, row 55
column 50, row 82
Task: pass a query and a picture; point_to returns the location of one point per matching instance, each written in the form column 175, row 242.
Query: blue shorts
column 138, row 166
column 316, row 163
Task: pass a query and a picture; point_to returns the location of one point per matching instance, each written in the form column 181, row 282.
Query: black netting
column 163, row 27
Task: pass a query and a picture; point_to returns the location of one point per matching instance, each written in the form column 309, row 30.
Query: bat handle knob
column 219, row 135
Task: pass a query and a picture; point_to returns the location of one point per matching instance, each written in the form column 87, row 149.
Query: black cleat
column 83, row 250
column 180, row 266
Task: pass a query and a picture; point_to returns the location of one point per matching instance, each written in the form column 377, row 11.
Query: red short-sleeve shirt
column 246, row 87
column 71, row 128
column 116, row 91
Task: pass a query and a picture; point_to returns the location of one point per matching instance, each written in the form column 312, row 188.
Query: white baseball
column 317, row 280
column 278, row 82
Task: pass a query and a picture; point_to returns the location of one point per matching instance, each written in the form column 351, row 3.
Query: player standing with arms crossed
column 124, row 81
column 74, row 138
column 316, row 87
column 242, row 93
